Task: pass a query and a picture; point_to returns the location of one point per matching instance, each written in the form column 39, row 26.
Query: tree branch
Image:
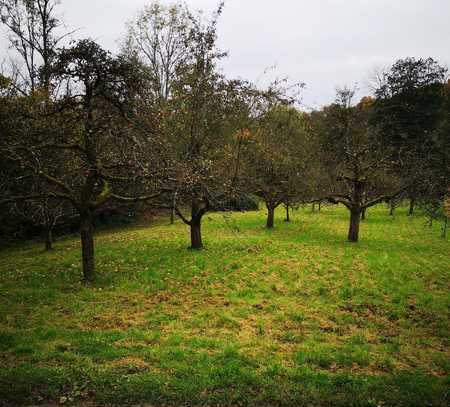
column 182, row 217
column 135, row 198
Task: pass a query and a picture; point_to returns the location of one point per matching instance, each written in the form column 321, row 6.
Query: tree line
column 85, row 132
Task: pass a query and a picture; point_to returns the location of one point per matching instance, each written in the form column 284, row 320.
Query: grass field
column 294, row 316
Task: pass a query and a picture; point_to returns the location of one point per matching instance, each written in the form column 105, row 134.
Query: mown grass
column 293, row 316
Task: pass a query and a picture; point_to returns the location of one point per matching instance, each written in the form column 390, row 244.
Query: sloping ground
column 293, row 316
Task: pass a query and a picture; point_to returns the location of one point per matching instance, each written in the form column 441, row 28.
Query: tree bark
column 172, row 211
column 87, row 247
column 196, row 224
column 270, row 217
column 320, row 206
column 391, row 211
column 444, row 228
column 48, row 239
column 412, row 203
column 355, row 219
column 288, row 217
column 196, row 234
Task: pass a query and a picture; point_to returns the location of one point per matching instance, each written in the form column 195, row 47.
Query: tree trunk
column 87, row 248
column 363, row 214
column 313, row 208
column 391, row 211
column 288, row 218
column 412, row 204
column 196, row 224
column 355, row 218
column 48, row 239
column 320, row 206
column 270, row 217
column 196, row 234
column 172, row 211
column 444, row 228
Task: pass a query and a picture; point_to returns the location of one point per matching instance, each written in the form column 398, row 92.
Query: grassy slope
column 293, row 316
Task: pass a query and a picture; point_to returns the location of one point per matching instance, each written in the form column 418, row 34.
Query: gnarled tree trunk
column 87, row 247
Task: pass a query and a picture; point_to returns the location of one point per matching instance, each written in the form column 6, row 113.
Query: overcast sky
column 324, row 43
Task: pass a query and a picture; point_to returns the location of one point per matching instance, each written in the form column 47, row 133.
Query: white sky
column 324, row 43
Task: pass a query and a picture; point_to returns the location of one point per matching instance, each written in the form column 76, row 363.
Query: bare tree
column 33, row 34
column 157, row 37
column 46, row 214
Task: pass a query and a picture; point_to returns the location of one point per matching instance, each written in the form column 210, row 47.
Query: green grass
column 291, row 317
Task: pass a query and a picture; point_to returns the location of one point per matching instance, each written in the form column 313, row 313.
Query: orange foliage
column 243, row 134
column 366, row 102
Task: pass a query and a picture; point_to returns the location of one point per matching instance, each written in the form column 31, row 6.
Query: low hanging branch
column 135, row 199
